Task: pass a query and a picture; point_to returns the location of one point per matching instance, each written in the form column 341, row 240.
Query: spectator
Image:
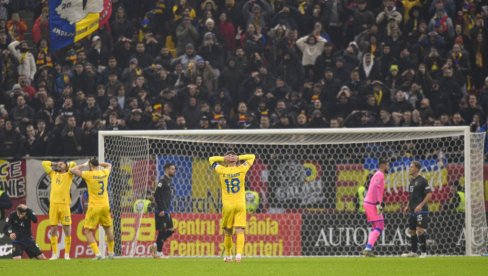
column 389, row 14
column 227, row 31
column 442, row 24
column 72, row 138
column 16, row 27
column 114, row 123
column 89, row 141
column 473, row 108
column 12, row 143
column 181, row 122
column 27, row 64
column 22, row 114
column 121, row 27
column 311, row 46
column 185, row 34
column 91, row 112
column 191, row 112
column 40, row 30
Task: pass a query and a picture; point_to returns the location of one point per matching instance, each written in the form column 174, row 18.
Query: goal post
column 307, row 182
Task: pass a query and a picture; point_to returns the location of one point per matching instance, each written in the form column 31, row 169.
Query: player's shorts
column 418, row 220
column 371, row 212
column 233, row 215
column 30, row 247
column 97, row 215
column 59, row 213
column 164, row 222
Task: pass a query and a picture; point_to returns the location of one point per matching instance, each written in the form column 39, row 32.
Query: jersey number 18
column 233, row 185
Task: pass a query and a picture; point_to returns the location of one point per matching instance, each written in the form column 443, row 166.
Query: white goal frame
column 408, row 131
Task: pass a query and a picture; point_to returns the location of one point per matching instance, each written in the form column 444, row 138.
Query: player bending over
column 18, row 228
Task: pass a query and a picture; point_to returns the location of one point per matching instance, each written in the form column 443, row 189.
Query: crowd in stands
column 218, row 64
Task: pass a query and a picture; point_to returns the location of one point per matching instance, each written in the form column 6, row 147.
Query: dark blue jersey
column 21, row 227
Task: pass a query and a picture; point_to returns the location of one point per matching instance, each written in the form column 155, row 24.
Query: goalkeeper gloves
column 379, row 207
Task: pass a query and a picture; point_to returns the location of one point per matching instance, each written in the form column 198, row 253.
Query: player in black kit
column 420, row 194
column 18, row 228
column 162, row 215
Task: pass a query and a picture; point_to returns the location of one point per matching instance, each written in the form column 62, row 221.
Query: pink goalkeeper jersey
column 376, row 188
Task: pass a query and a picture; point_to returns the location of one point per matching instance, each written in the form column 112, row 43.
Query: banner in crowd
column 13, row 181
column 346, row 234
column 73, row 20
column 195, row 235
column 39, row 188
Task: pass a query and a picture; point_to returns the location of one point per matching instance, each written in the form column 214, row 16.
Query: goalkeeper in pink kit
column 373, row 206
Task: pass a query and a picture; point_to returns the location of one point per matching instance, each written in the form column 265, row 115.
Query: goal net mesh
column 308, row 187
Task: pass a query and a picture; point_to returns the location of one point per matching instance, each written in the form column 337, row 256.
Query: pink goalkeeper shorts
column 371, row 213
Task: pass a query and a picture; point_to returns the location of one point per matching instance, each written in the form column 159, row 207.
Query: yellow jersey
column 60, row 184
column 232, row 182
column 97, row 182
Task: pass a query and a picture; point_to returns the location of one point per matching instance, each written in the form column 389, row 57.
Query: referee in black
column 18, row 228
column 420, row 194
column 162, row 200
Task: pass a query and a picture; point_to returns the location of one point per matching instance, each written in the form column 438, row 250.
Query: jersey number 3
column 102, row 187
column 233, row 185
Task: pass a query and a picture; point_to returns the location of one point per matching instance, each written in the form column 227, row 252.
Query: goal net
column 307, row 181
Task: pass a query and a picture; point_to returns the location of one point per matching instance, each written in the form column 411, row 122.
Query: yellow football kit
column 232, row 181
column 60, row 197
column 98, row 204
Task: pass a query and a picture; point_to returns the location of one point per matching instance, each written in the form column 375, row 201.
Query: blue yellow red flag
column 73, row 20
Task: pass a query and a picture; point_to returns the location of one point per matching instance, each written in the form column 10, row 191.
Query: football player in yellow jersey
column 59, row 203
column 98, row 204
column 232, row 179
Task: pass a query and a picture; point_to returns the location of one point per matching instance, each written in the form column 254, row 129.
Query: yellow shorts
column 233, row 215
column 97, row 215
column 59, row 213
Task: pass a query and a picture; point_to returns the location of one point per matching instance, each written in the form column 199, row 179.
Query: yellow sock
column 95, row 249
column 228, row 244
column 54, row 245
column 239, row 243
column 67, row 245
column 111, row 245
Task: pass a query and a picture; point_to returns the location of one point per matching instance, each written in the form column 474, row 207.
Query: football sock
column 373, row 236
column 423, row 243
column 239, row 243
column 414, row 240
column 111, row 245
column 67, row 245
column 228, row 244
column 159, row 241
column 95, row 249
column 54, row 245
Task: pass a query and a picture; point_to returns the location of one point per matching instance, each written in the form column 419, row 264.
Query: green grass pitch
column 252, row 266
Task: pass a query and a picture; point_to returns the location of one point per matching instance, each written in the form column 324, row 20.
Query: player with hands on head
column 98, row 212
column 232, row 181
column 59, row 203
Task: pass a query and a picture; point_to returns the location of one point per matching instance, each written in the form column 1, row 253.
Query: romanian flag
column 73, row 20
